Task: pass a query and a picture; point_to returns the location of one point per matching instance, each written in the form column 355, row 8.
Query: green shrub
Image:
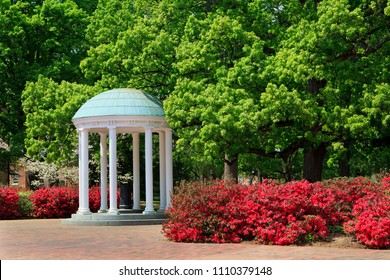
column 26, row 207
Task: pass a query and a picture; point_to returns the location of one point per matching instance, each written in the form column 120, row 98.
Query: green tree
column 284, row 85
column 36, row 38
column 302, row 81
column 141, row 52
column 204, row 109
column 88, row 6
column 49, row 108
column 216, row 105
column 335, row 62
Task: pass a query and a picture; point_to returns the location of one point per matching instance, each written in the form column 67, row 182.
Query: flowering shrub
column 94, row 198
column 218, row 211
column 201, row 224
column 292, row 213
column 346, row 192
column 61, row 202
column 9, row 207
column 385, row 186
column 371, row 218
column 54, row 202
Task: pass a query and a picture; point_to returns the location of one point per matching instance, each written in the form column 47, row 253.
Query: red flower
column 218, row 211
column 9, row 207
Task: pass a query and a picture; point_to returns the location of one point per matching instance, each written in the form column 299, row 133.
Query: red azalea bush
column 59, row 202
column 290, row 213
column 193, row 216
column 371, row 217
column 54, row 202
column 94, row 198
column 219, row 211
column 385, row 185
column 295, row 212
column 9, row 207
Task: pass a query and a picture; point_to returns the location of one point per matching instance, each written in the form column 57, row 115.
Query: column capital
column 82, row 129
column 111, row 123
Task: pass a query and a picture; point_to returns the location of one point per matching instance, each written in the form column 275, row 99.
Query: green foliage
column 36, row 38
column 336, row 229
column 26, row 207
column 205, row 108
column 129, row 47
column 265, row 81
column 49, row 108
column 88, row 6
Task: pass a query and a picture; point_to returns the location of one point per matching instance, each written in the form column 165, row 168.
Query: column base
column 161, row 210
column 102, row 211
column 84, row 212
column 146, row 212
column 113, row 212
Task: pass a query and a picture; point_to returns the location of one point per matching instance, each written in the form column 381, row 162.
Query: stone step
column 109, row 219
column 134, row 222
column 107, row 216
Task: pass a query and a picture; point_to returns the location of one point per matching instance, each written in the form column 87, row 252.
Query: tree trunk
column 313, row 162
column 344, row 163
column 287, row 162
column 314, row 156
column 8, row 181
column 231, row 168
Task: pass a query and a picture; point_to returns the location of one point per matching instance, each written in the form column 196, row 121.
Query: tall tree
column 284, row 79
column 142, row 51
column 50, row 134
column 36, row 37
column 338, row 58
column 204, row 109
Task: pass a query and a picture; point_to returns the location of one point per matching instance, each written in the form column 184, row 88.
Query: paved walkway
column 51, row 240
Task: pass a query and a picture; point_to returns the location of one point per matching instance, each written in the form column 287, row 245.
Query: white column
column 136, row 173
column 168, row 165
column 103, row 173
column 163, row 198
column 83, row 157
column 149, row 170
column 113, row 173
column 80, row 175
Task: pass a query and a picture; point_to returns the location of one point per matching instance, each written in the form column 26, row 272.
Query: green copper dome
column 121, row 102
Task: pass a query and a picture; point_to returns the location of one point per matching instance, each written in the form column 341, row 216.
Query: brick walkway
column 51, row 240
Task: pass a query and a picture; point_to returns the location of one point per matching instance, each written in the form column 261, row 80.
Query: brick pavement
column 51, row 240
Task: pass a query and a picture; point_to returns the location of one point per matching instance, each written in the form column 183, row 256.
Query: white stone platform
column 124, row 218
